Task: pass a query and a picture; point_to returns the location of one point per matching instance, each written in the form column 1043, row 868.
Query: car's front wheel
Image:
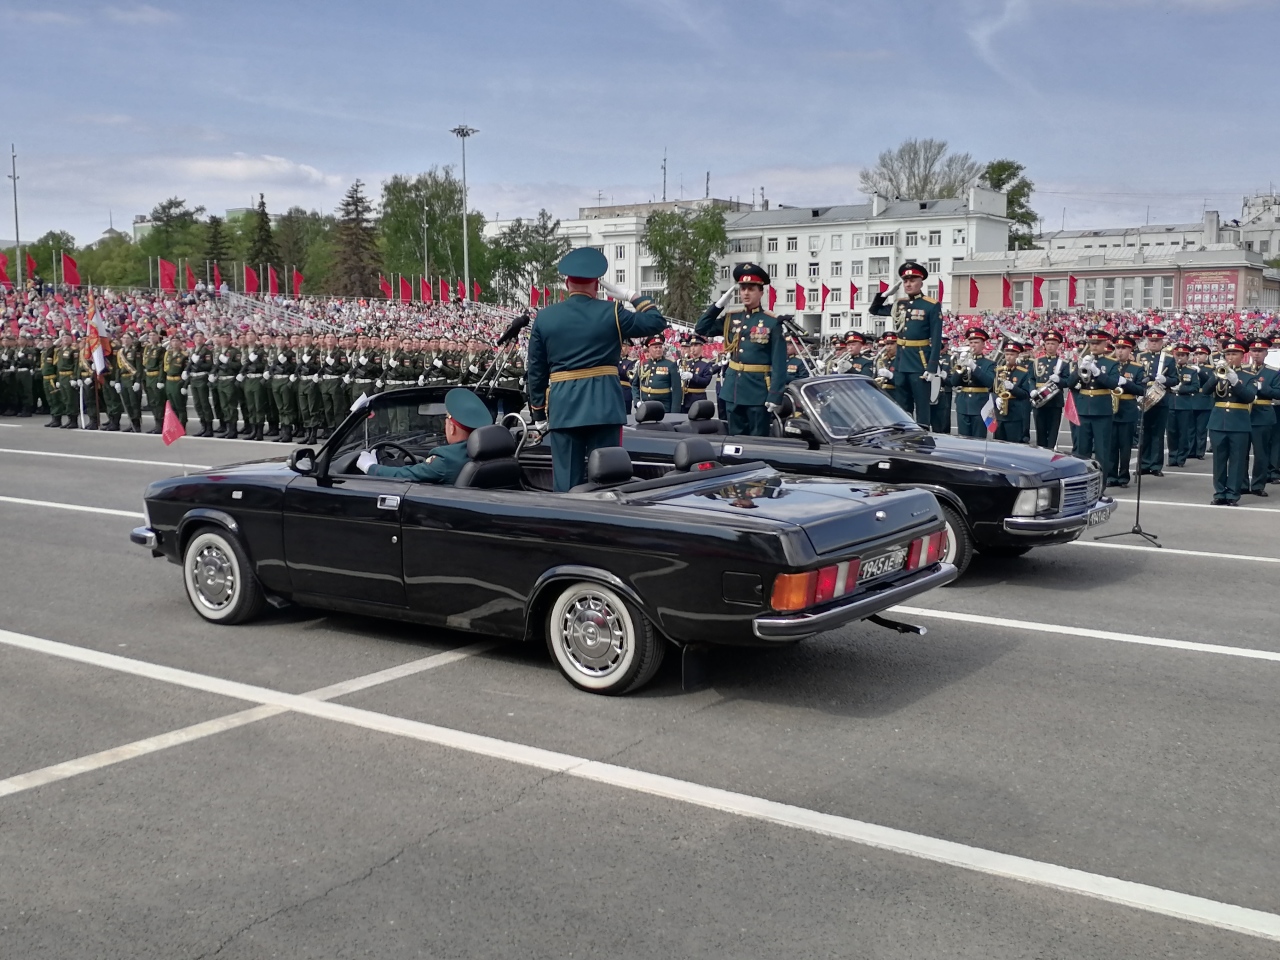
column 600, row 642
column 959, row 540
column 219, row 580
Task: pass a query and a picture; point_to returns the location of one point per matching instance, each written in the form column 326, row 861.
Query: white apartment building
column 847, row 249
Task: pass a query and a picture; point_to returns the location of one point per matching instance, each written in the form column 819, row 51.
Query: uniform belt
column 400, row 381
column 364, row 381
column 172, row 379
column 749, row 367
column 1262, row 403
column 1095, row 393
column 199, row 376
column 913, row 343
column 254, row 376
column 974, row 390
column 330, row 376
column 585, row 373
column 1127, row 396
column 1232, row 406
column 51, row 377
column 654, row 391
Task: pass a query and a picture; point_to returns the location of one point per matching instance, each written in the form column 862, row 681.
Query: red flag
column 59, row 299
column 800, row 301
column 31, row 265
column 168, row 276
column 406, row 289
column 385, row 285
column 426, row 290
column 53, row 331
column 773, row 296
column 973, row 292
column 853, row 292
column 475, row 290
column 462, row 290
column 5, row 282
column 546, row 295
column 1069, row 408
column 1008, row 292
column 941, row 292
column 825, row 293
column 191, row 278
column 273, row 281
column 298, row 280
column 1037, row 298
column 70, row 271
column 444, row 290
column 250, row 280
column 217, row 276
column 172, row 429
column 533, row 297
column 1071, row 291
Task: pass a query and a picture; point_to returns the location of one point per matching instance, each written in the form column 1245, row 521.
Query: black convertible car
column 707, row 553
column 997, row 498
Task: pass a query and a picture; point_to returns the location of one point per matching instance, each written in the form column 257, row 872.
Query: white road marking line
column 85, row 456
column 15, row 426
column 72, row 506
column 1176, row 552
column 1207, row 506
column 1090, row 633
column 107, row 758
column 1139, row 896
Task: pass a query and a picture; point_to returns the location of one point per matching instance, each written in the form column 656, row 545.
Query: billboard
column 1209, row 290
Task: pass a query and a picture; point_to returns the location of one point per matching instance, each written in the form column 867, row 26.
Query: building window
column 1264, row 246
column 1091, row 294
column 836, row 296
column 599, row 248
column 815, row 242
column 1166, row 293
column 1126, row 294
column 837, row 241
column 1019, row 294
column 881, row 239
column 913, row 239
column 771, row 245
column 837, row 321
column 1055, row 294
column 1109, row 294
column 855, row 268
column 724, row 273
column 878, row 326
column 793, row 244
column 934, row 266
column 620, row 253
column 878, row 266
column 958, row 237
column 837, row 268
column 935, row 238
column 772, row 269
column 790, row 297
column 813, row 270
column 793, row 270
column 812, row 299
column 745, row 245
column 1148, row 292
column 932, row 292
column 619, row 276
column 857, row 241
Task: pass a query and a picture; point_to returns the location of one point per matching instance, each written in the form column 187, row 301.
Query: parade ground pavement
column 1081, row 759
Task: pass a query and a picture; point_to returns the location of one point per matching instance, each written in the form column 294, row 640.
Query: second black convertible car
column 608, row 573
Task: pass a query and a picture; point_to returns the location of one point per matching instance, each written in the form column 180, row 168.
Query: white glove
column 346, row 378
column 379, row 384
column 1160, row 379
column 686, row 375
column 437, row 363
column 1054, row 378
column 971, row 365
column 540, row 426
column 222, row 358
column 362, row 359
column 1123, row 382
column 421, row 379
column 618, row 293
column 884, row 372
column 213, row 378
column 266, row 374
column 119, row 386
column 888, row 294
column 183, row 391
column 725, row 298
column 137, row 388
column 473, row 368
column 253, row 358
column 773, row 407
column 366, row 460
column 293, row 378
column 306, row 358
column 282, row 358
column 76, row 384
column 315, row 378
column 239, row 378
column 1007, row 384
column 1232, row 377
column 185, row 375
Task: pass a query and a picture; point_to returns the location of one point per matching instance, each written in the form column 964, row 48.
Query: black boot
column 113, row 423
column 273, row 430
column 54, row 421
column 91, row 423
column 137, row 424
column 26, row 412
column 157, row 424
column 71, row 424
column 206, row 428
column 311, row 436
column 231, row 432
column 286, row 434
column 127, row 427
column 222, row 429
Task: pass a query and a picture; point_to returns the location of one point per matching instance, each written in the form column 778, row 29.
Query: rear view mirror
column 303, row 461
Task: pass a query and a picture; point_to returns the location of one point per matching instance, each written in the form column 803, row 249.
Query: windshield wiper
column 868, row 432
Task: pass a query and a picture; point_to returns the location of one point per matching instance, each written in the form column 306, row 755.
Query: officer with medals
column 574, row 349
column 1013, row 391
column 855, row 361
column 1233, row 390
column 917, row 320
column 464, row 412
column 129, row 376
column 695, row 373
column 1160, row 368
column 884, row 363
column 1131, row 384
column 153, row 379
column 626, row 369
column 1188, row 380
column 757, row 354
column 797, row 369
column 657, row 378
column 940, row 412
column 1096, row 375
column 1048, row 372
column 1202, row 403
column 1263, row 416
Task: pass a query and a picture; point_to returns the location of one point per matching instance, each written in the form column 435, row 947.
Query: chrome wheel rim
column 593, row 635
column 949, row 554
column 213, row 577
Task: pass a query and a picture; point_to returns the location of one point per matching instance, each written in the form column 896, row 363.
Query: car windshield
column 415, row 425
column 847, row 406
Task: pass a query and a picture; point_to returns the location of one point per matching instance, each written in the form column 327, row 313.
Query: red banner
column 273, row 281
column 385, row 285
column 800, row 300
column 941, row 292
column 426, row 290
column 462, row 290
column 1071, row 291
column 70, row 271
column 533, row 297
column 973, row 292
column 31, row 266
column 5, row 282
column 475, row 290
column 884, row 287
column 1037, row 297
column 546, row 295
column 217, row 276
column 853, row 294
column 406, row 289
column 172, row 429
column 250, row 280
column 168, row 276
column 1008, row 292
column 444, row 290
column 825, row 293
column 191, row 278
column 773, row 296
column 298, row 280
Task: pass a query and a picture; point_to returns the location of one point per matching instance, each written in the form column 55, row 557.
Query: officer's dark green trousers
column 570, row 449
column 1230, row 462
column 748, row 420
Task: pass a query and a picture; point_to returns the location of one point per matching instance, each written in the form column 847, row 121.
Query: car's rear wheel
column 959, row 540
column 600, row 642
column 219, row 580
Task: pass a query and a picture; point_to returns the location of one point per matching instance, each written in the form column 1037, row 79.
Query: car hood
column 965, row 451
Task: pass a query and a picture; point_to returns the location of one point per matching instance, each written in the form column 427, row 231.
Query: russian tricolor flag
column 989, row 413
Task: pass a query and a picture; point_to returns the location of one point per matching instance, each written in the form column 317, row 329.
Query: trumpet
column 877, row 362
column 1221, row 369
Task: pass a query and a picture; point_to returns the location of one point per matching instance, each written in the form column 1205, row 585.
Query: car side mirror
column 303, row 461
column 799, row 428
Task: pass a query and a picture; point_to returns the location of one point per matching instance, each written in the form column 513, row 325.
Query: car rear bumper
column 1075, row 523
column 785, row 629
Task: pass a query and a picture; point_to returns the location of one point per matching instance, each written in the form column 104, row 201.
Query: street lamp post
column 17, row 236
column 462, row 131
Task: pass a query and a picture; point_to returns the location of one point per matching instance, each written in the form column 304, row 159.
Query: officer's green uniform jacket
column 1264, row 414
column 511, row 377
column 366, row 368
column 443, row 466
column 1093, row 394
column 918, row 324
column 1022, row 382
column 658, row 380
column 757, row 350
column 944, row 368
column 281, row 369
column 153, row 359
column 1186, row 389
column 226, row 370
column 256, row 359
column 200, row 360
column 797, row 369
column 1232, row 405
column 399, row 371
column 1042, row 368
column 1154, row 363
column 972, row 389
column 1136, row 374
column 574, row 349
column 862, row 366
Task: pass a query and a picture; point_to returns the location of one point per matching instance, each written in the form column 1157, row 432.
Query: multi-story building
column 846, row 250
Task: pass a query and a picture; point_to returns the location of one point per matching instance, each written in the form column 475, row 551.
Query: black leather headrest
column 702, row 410
column 609, row 465
column 691, row 451
column 650, row 411
column 787, row 406
column 489, row 443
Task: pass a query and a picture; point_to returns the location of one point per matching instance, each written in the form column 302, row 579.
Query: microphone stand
column 1136, row 530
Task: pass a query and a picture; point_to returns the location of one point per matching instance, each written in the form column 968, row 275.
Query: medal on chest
column 759, row 334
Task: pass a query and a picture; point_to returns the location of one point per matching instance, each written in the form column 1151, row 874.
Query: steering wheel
column 522, row 426
column 403, row 457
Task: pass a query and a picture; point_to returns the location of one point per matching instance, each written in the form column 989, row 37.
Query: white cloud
column 982, row 34
column 141, row 15
column 246, row 169
column 52, row 18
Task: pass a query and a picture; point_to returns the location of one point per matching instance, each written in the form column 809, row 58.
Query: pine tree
column 217, row 245
column 262, row 243
column 356, row 261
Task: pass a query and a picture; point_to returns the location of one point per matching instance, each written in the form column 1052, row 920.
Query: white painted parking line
column 139, row 748
column 1089, row 633
column 1207, row 506
column 1161, row 551
column 85, row 456
column 1140, row 896
column 71, row 506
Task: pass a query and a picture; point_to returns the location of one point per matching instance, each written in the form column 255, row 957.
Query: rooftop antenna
column 707, row 194
column 1064, row 218
column 664, row 174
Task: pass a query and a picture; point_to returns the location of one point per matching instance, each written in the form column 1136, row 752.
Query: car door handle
column 388, row 503
column 731, row 450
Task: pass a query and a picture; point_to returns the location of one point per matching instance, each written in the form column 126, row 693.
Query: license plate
column 1099, row 518
column 883, row 564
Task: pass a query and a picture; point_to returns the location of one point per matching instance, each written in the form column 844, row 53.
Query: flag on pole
column 475, row 290
column 31, row 265
column 385, row 286
column 462, row 290
column 99, row 338
column 546, row 295
column 273, row 281
column 1037, row 298
column 800, row 300
column 426, row 290
column 853, row 293
column 773, row 296
column 533, row 297
column 973, row 292
column 5, row 282
column 298, row 280
column 444, row 290
column 1008, row 292
column 1071, row 291
column 989, row 413
column 250, row 280
column 406, row 289
column 1069, row 408
column 884, row 287
column 168, row 276
column 191, row 277
column 172, row 429
column 825, row 293
column 217, row 276
column 70, row 271
column 941, row 292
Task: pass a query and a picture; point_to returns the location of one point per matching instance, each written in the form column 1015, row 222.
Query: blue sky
column 1113, row 105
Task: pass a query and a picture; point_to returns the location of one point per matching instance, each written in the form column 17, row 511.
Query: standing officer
column 1263, row 417
column 1185, row 389
column 28, row 374
column 657, row 378
column 797, row 369
column 695, row 374
column 1132, row 383
column 282, row 376
column 49, row 375
column 334, row 365
column 199, row 366
column 227, row 378
column 627, row 369
column 757, row 353
column 940, row 412
column 129, row 376
column 1159, row 368
column 176, row 376
column 884, row 364
column 68, row 365
column 310, row 411
column 1096, row 375
column 153, row 379
column 574, row 349
column 1202, row 403
column 917, row 320
column 1230, row 425
column 88, row 386
column 1013, row 390
column 1050, row 369
column 8, row 376
column 366, row 369
column 254, row 368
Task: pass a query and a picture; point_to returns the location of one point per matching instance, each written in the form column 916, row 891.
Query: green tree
column 176, row 231
column 685, row 247
column 920, row 170
column 1007, row 176
column 525, row 254
column 357, row 259
column 262, row 242
column 303, row 238
column 115, row 262
column 45, row 252
column 217, row 246
column 436, row 197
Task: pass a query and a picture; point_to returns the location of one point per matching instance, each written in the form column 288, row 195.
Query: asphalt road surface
column 1080, row 759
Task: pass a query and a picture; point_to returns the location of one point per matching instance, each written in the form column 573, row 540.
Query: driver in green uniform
column 465, row 412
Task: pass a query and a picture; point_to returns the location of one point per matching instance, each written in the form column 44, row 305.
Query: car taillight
column 926, row 550
column 796, row 591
